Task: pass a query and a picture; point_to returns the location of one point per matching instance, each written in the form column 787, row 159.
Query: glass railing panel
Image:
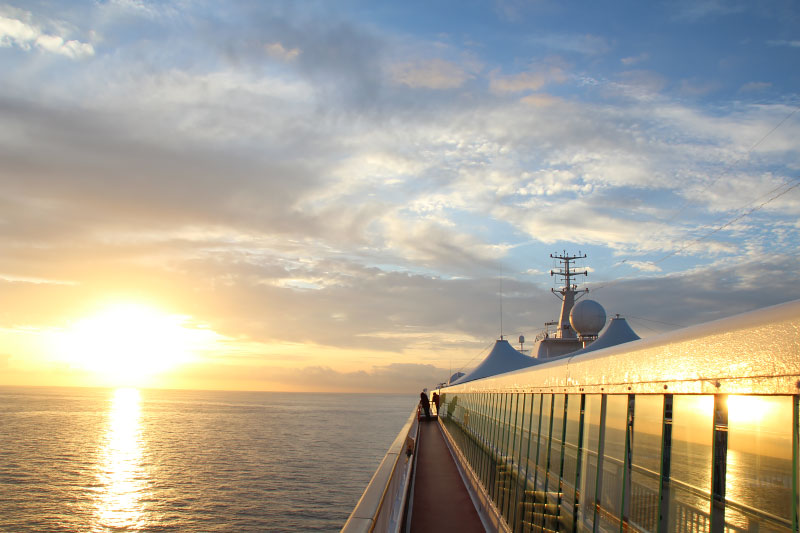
column 521, row 460
column 501, row 479
column 528, row 502
column 480, row 429
column 489, row 438
column 544, row 441
column 646, row 463
column 613, row 463
column 500, row 435
column 538, row 496
column 796, row 459
column 485, row 429
column 758, row 487
column 553, row 482
column 471, row 423
column 506, row 459
column 535, row 439
column 571, row 434
column 689, row 487
column 518, row 486
column 554, row 468
column 588, row 472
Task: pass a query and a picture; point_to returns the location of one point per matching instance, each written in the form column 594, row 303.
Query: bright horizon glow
column 129, row 343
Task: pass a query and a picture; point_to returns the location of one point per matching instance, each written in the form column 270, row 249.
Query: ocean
column 98, row 460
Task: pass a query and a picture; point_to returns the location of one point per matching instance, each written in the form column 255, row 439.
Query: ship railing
column 383, row 502
column 686, row 518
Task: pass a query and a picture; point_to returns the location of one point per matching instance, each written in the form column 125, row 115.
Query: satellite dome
column 587, row 317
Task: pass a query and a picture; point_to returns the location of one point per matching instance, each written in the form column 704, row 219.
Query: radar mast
column 569, row 293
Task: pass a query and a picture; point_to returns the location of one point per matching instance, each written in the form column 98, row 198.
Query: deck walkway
column 441, row 501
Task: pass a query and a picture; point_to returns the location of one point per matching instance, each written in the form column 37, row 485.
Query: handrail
column 383, row 500
column 500, row 458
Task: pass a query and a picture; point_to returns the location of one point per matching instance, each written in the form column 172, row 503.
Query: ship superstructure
column 563, row 339
column 575, row 331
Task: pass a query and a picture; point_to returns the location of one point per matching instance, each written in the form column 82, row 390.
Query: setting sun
column 128, row 343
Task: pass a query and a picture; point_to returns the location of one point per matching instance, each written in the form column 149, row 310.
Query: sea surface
column 98, row 460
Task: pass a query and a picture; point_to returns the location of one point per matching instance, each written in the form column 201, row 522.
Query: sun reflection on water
column 121, row 477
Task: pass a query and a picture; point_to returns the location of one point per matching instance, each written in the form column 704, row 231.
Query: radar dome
column 587, row 317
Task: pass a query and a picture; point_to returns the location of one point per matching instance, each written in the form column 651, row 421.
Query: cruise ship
column 598, row 430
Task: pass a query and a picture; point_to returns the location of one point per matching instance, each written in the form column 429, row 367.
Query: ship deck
column 441, row 501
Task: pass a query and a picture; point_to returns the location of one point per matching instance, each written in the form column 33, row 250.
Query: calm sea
column 156, row 460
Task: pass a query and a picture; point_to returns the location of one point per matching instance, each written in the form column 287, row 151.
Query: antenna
column 568, row 293
column 501, row 302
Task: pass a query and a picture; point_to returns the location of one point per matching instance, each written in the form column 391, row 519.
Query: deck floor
column 441, row 501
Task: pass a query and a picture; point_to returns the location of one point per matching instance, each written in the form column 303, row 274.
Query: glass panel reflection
column 613, row 462
column 570, row 462
column 588, row 481
column 122, row 479
column 646, row 459
column 758, row 488
column 690, row 479
column 528, row 507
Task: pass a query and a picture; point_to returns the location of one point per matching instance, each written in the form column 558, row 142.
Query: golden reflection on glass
column 646, row 458
column 691, row 462
column 121, row 476
column 759, row 463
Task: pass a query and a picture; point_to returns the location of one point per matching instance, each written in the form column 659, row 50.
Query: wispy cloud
column 278, row 51
column 634, row 60
column 14, row 32
column 526, row 81
column 694, row 11
column 790, row 43
column 755, row 86
column 430, row 74
column 584, row 44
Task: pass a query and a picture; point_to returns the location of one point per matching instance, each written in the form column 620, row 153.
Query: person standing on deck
column 426, row 405
column 436, row 402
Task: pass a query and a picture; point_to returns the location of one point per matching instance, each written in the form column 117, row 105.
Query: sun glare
column 750, row 410
column 128, row 343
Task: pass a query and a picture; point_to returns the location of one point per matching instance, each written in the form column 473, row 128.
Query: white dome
column 587, row 317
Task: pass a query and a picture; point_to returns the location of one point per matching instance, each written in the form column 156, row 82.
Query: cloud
column 634, row 60
column 540, row 100
column 278, row 51
column 694, row 11
column 525, row 81
column 643, row 80
column 434, row 245
column 644, row 266
column 700, row 295
column 694, row 89
column 14, row 32
column 393, row 378
column 138, row 7
column 789, row 43
column 755, row 86
column 583, row 44
column 430, row 74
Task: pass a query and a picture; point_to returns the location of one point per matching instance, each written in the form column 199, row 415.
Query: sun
column 128, row 343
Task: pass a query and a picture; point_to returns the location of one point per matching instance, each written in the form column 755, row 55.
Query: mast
column 569, row 293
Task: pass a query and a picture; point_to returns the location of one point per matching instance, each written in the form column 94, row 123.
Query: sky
column 363, row 196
